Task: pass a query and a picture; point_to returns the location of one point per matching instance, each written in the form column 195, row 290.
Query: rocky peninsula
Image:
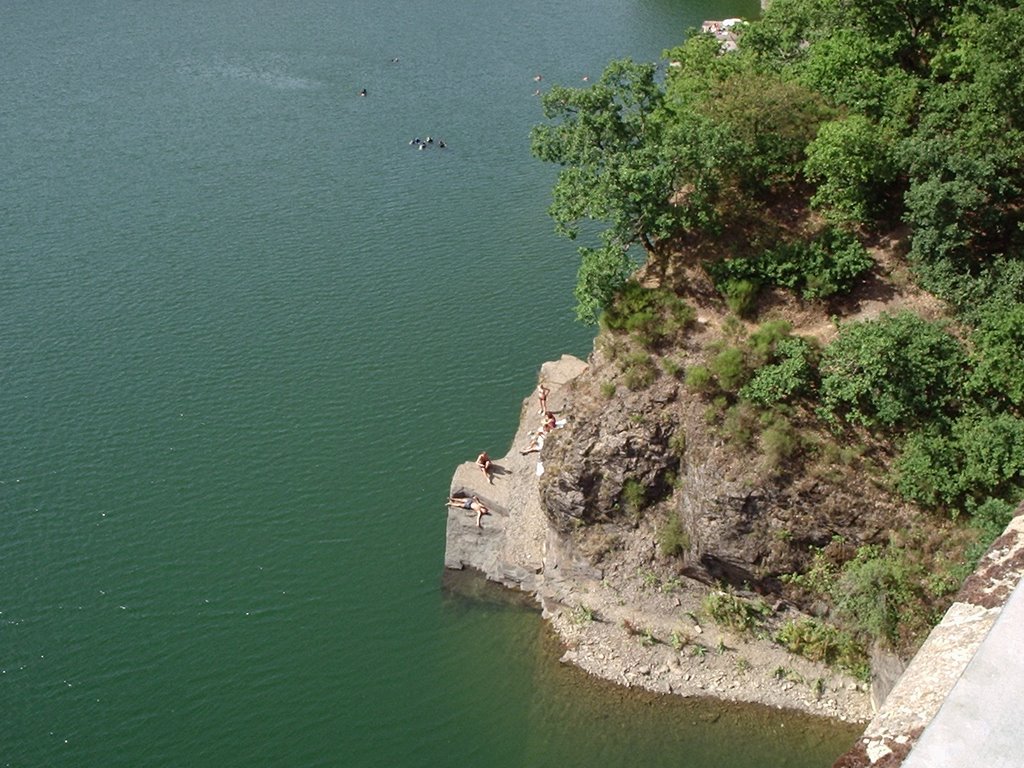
column 621, row 614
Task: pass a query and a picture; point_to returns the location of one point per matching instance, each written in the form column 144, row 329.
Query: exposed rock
column 620, row 613
column 744, row 523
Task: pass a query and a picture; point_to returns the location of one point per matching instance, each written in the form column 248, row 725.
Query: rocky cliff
column 577, row 525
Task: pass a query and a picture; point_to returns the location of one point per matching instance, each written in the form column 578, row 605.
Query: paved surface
column 980, row 723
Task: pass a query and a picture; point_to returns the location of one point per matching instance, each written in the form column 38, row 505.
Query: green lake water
column 247, row 333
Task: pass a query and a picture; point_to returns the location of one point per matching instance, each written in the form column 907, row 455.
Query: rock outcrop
column 743, row 521
column 565, row 526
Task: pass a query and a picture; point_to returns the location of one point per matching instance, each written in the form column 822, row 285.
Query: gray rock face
column 742, row 523
column 590, row 462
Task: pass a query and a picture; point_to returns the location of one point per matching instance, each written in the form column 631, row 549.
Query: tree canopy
column 872, row 110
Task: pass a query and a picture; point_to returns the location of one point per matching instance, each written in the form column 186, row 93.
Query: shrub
column 778, row 441
column 730, row 369
column 608, row 389
column 634, row 497
column 730, row 610
column 877, row 590
column 978, row 458
column 823, row 266
column 851, row 163
column 998, row 375
column 677, row 443
column 638, row 371
column 763, row 341
column 991, row 518
column 672, row 367
column 818, row 641
column 740, row 424
column 652, row 315
column 788, row 375
column 699, row 379
column 739, row 295
column 893, row 371
column 673, row 539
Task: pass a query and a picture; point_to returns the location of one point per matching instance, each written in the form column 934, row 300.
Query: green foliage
column 877, row 590
column 608, row 389
column 788, row 374
column 771, row 119
column 895, row 371
column 978, row 457
column 654, row 316
column 699, row 379
column 819, row 641
column 779, row 441
column 615, row 166
column 990, row 518
column 638, row 371
column 826, row 265
column 673, row 539
column 582, row 615
column 730, row 369
column 998, row 375
column 850, row 161
column 730, row 610
column 634, row 496
column 677, row 443
column 740, row 294
column 740, row 424
column 602, row 274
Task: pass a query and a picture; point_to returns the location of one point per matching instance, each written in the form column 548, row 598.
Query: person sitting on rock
column 483, row 461
column 472, row 503
column 550, row 422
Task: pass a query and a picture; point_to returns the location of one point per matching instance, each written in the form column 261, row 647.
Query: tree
column 852, row 165
column 896, row 371
column 626, row 162
column 608, row 139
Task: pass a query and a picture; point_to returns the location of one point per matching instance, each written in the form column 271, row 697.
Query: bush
column 634, row 497
column 978, row 458
column 788, row 375
column 998, row 375
column 673, row 539
column 638, row 371
column 654, row 316
column 732, row 611
column 739, row 295
column 895, row 371
column 778, row 442
column 699, row 379
column 826, row 265
column 730, row 368
column 877, row 590
column 740, row 424
column 818, row 641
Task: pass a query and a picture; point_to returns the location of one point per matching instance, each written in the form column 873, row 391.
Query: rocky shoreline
column 624, row 621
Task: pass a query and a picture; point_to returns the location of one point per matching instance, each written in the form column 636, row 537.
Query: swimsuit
column 467, row 503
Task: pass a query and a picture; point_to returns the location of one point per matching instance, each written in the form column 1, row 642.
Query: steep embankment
column 582, row 524
column 620, row 614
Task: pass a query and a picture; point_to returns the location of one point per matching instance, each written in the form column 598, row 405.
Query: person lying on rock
column 472, row 503
column 483, row 461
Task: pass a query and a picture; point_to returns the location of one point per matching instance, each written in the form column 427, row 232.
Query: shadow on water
column 575, row 718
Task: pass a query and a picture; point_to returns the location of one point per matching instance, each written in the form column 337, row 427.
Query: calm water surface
column 248, row 332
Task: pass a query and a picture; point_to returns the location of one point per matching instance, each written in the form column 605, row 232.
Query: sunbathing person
column 472, row 503
column 536, row 442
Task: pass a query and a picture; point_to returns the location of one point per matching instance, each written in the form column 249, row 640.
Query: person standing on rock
column 542, row 395
column 483, row 461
